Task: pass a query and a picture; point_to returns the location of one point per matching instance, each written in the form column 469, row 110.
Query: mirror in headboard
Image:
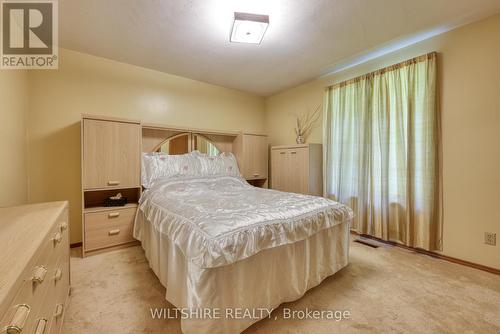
column 175, row 145
column 180, row 141
column 204, row 145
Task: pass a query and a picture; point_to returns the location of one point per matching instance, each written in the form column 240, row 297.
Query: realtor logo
column 29, row 34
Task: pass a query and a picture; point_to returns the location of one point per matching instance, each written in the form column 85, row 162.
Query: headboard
column 154, row 135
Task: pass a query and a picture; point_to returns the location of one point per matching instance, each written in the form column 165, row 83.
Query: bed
column 221, row 246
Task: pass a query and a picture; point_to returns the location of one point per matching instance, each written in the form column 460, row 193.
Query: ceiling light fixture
column 249, row 28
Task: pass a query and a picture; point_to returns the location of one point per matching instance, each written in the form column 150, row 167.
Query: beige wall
column 281, row 111
column 470, row 100
column 93, row 85
column 13, row 167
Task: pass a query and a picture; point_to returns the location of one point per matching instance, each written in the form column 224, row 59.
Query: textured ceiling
column 190, row 38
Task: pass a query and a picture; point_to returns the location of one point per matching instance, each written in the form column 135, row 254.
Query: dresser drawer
column 50, row 316
column 108, row 228
column 56, row 242
column 37, row 277
column 59, row 308
column 26, row 304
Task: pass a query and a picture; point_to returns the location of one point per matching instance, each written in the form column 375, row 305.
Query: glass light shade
column 249, row 28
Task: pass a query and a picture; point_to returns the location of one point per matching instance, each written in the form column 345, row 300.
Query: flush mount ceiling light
column 249, row 28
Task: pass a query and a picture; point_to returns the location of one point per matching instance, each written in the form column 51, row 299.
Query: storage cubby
column 94, row 199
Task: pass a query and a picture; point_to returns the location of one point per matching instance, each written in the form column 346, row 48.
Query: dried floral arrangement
column 305, row 123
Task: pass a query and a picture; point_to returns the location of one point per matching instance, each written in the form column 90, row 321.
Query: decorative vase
column 300, row 140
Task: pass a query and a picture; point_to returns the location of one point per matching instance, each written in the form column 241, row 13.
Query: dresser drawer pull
column 256, row 174
column 113, row 214
column 282, row 152
column 57, row 238
column 114, row 232
column 293, row 152
column 113, row 183
column 64, row 226
column 58, row 274
column 39, row 274
column 19, row 320
column 59, row 310
column 40, row 326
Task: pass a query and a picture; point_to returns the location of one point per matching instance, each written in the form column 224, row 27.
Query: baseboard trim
column 417, row 250
column 433, row 254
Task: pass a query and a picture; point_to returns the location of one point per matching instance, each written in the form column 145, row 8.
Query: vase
column 300, row 140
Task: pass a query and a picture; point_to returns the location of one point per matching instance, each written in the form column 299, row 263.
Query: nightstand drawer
column 108, row 228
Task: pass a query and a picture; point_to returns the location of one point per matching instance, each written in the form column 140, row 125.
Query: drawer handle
column 58, row 274
column 293, row 152
column 113, row 214
column 256, row 174
column 282, row 152
column 39, row 274
column 59, row 310
column 114, row 232
column 40, row 327
column 19, row 319
column 64, row 226
column 57, row 238
column 113, row 183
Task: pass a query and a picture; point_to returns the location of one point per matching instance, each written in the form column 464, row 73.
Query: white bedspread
column 216, row 221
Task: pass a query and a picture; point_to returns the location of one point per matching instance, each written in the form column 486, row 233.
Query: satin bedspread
column 219, row 220
column 265, row 280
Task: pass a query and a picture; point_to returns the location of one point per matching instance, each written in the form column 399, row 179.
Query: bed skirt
column 263, row 281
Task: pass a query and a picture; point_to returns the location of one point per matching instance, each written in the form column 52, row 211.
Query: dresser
column 111, row 151
column 297, row 168
column 34, row 268
column 251, row 151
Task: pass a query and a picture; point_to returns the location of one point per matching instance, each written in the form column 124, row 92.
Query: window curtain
column 382, row 152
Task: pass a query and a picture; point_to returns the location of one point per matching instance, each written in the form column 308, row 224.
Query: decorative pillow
column 230, row 164
column 160, row 165
column 147, row 168
column 222, row 164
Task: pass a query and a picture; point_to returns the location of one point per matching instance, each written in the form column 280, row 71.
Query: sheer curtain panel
column 382, row 152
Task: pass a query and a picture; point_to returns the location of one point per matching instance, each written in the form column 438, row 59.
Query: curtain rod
column 418, row 59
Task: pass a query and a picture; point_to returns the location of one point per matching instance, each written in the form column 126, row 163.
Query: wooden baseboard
column 75, row 245
column 433, row 254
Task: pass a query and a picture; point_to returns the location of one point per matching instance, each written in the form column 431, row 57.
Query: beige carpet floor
column 386, row 290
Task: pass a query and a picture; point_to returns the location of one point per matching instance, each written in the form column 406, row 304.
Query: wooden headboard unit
column 154, row 135
column 250, row 149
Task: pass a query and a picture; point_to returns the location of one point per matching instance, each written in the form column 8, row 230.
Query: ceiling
column 305, row 38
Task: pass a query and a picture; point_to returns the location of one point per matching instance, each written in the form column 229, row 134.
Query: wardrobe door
column 256, row 156
column 298, row 162
column 279, row 169
column 111, row 154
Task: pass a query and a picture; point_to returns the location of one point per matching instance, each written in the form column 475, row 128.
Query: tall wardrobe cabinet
column 251, row 151
column 111, row 151
column 297, row 168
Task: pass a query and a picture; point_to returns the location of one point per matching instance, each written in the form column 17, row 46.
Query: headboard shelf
column 154, row 135
column 152, row 126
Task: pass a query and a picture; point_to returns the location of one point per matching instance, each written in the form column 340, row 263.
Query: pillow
column 160, row 165
column 222, row 164
column 147, row 169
